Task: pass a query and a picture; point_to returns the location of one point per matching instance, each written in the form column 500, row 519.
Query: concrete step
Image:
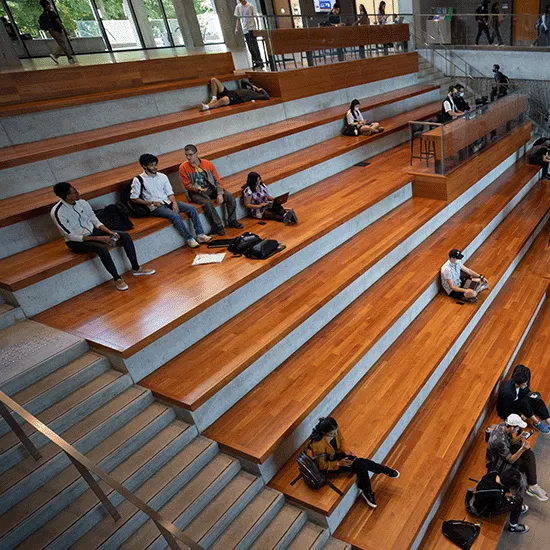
column 63, row 381
column 10, row 315
column 65, row 413
column 28, row 475
column 335, row 544
column 30, row 351
column 252, row 522
column 193, row 491
column 62, row 490
column 282, row 530
column 310, row 537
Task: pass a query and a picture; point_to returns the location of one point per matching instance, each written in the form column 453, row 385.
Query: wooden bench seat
column 260, row 421
column 28, row 267
column 35, row 203
column 434, row 439
column 271, row 319
column 26, row 107
column 534, row 353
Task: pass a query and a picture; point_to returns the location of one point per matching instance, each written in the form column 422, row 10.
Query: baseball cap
column 515, row 420
column 455, row 253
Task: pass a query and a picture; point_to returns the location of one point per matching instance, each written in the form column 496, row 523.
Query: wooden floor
column 434, row 439
column 263, row 418
column 127, row 322
column 535, row 353
column 34, row 203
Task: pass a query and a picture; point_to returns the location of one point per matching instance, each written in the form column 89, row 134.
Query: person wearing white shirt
column 449, row 110
column 355, row 124
column 451, row 280
column 85, row 234
column 153, row 189
column 246, row 17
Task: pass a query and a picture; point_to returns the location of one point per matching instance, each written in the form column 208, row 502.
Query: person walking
column 246, row 16
column 543, row 38
column 482, row 18
column 49, row 21
column 496, row 21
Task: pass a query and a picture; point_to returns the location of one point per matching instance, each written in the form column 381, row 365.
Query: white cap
column 515, row 420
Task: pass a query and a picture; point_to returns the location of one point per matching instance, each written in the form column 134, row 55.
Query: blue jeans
column 165, row 211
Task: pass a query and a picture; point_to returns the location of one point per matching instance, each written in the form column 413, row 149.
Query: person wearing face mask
column 507, row 448
column 460, row 102
column 502, row 82
column 333, row 456
column 449, row 110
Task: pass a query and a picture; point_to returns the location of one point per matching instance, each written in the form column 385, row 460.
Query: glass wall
column 95, row 26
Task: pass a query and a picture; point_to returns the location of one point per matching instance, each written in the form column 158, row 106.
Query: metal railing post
column 19, row 432
column 170, row 540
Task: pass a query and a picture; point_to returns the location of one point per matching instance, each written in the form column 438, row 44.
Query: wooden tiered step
column 434, row 440
column 322, row 207
column 38, row 202
column 293, row 391
column 533, row 353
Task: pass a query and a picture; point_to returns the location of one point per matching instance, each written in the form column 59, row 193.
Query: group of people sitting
column 454, row 104
column 85, row 233
column 511, row 464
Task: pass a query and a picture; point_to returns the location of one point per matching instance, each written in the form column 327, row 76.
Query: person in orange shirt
column 203, row 184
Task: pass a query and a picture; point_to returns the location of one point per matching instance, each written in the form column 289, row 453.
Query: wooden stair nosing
column 220, row 430
column 170, row 161
column 399, row 451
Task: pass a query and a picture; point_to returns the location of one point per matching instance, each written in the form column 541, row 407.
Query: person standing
column 49, row 21
column 496, row 21
column 542, row 25
column 246, row 16
column 502, row 83
column 482, row 18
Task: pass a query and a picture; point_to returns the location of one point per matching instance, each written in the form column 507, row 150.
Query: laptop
column 281, row 199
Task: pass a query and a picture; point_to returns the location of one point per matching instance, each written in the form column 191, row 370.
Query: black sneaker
column 392, row 473
column 369, row 498
column 220, row 231
column 519, row 528
column 236, row 224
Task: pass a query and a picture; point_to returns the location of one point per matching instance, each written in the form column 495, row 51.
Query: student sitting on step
column 84, row 233
column 221, row 96
column 540, row 155
column 507, row 448
column 460, row 282
column 327, row 440
column 355, row 124
column 203, row 184
column 498, row 494
column 515, row 396
column 155, row 191
column 262, row 205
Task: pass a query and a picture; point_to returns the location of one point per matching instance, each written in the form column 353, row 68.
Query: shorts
column 234, row 98
column 456, row 295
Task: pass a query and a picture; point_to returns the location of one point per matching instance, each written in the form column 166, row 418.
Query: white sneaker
column 54, row 59
column 537, row 492
column 192, row 243
column 121, row 284
column 204, row 107
column 204, row 238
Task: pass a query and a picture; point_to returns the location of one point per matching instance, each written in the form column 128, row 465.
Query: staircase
column 140, row 442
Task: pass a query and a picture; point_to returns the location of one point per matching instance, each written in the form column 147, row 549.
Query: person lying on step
column 460, row 282
column 326, row 439
column 221, row 96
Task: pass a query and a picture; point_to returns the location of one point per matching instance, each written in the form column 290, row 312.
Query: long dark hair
column 382, row 8
column 324, row 426
column 251, row 181
column 353, row 104
column 362, row 8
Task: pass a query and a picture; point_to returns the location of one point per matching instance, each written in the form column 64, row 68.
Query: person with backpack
column 204, row 185
column 502, row 83
column 498, row 494
column 153, row 190
column 262, row 205
column 515, row 397
column 355, row 124
column 85, row 234
column 496, row 21
column 482, row 19
column 49, row 21
column 327, row 443
column 508, row 448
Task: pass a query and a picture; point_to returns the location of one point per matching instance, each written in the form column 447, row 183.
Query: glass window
column 155, row 24
column 26, row 14
column 119, row 24
column 81, row 25
column 173, row 22
column 208, row 21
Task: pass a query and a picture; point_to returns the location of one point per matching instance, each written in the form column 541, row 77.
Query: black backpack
column 310, row 473
column 461, row 533
column 243, row 242
column 44, row 21
column 115, row 216
column 264, row 249
column 135, row 210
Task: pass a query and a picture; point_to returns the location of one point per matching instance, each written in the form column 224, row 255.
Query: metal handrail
column 86, row 467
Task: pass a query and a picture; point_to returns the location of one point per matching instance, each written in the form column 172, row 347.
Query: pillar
column 226, row 9
column 142, row 21
column 188, row 22
column 8, row 55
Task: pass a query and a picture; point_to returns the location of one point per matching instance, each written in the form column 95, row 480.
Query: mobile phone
column 527, row 435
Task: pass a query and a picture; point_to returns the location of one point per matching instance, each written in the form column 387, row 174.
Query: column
column 142, row 21
column 226, row 9
column 8, row 55
column 188, row 22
